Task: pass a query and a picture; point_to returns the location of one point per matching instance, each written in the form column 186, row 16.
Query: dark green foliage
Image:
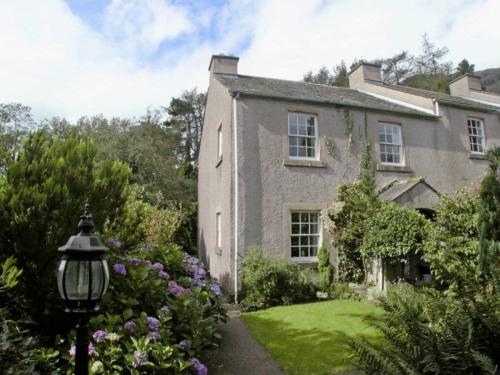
column 464, row 67
column 344, row 292
column 427, row 333
column 354, row 203
column 337, row 77
column 489, row 222
column 394, row 232
column 41, row 198
column 452, row 247
column 397, row 68
column 325, row 268
column 270, row 282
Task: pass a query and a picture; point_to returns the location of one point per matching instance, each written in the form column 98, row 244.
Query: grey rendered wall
column 434, row 149
column 214, row 185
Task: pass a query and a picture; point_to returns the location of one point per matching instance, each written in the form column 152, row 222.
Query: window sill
column 393, row 168
column 219, row 161
column 311, row 260
column 304, row 163
column 477, row 156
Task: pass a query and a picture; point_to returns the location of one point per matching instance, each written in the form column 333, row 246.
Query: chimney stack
column 462, row 85
column 364, row 72
column 223, row 64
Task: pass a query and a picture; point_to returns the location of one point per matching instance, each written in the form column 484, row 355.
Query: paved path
column 239, row 352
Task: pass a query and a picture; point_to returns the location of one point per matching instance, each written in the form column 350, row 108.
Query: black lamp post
column 82, row 280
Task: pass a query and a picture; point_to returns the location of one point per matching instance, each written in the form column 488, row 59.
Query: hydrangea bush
column 158, row 315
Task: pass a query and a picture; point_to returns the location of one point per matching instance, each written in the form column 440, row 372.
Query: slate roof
column 441, row 97
column 397, row 188
column 310, row 92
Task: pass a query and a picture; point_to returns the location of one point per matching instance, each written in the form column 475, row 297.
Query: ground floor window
column 305, row 234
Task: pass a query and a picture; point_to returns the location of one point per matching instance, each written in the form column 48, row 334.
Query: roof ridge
column 289, row 80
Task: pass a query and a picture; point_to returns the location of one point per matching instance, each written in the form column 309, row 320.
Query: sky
column 119, row 57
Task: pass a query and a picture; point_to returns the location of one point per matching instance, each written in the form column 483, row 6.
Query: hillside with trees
column 429, row 70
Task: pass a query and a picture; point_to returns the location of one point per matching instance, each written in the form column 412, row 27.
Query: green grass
column 304, row 338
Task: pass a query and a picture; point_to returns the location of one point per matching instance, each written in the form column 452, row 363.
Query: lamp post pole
column 82, row 345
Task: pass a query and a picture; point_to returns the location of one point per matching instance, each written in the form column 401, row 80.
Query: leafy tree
column 325, row 268
column 393, row 232
column 397, row 68
column 15, row 121
column 489, row 222
column 337, row 77
column 41, row 197
column 452, row 247
column 429, row 62
column 186, row 118
column 464, row 67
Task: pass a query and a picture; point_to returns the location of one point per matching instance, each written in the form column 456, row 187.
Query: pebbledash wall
column 255, row 193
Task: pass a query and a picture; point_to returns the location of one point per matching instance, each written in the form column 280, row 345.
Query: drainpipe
column 236, row 195
column 436, row 106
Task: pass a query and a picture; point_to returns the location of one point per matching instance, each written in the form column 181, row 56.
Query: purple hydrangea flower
column 91, row 349
column 198, row 283
column 114, row 242
column 147, row 262
column 139, row 359
column 176, row 289
column 200, row 368
column 199, row 272
column 120, row 269
column 163, row 275
column 135, row 261
column 192, row 261
column 185, row 345
column 215, row 288
column 99, row 336
column 130, row 326
column 153, row 323
column 154, row 335
column 72, row 350
column 157, row 266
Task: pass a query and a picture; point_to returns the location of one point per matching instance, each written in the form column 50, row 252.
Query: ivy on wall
column 349, row 121
column 330, row 147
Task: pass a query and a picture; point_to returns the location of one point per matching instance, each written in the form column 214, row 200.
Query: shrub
column 343, row 291
column 269, row 282
column 42, row 195
column 325, row 268
column 158, row 315
column 425, row 331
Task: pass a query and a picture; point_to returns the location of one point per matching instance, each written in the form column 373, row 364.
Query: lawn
column 304, row 338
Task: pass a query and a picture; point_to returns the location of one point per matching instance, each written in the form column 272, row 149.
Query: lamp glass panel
column 60, row 274
column 77, row 279
column 98, row 279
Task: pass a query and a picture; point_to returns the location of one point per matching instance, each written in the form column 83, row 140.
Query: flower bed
column 158, row 315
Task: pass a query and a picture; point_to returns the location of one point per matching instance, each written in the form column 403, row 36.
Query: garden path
column 240, row 353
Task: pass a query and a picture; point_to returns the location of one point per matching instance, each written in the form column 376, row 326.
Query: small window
column 218, row 231
column 391, row 144
column 302, row 136
column 476, row 135
column 305, row 234
column 219, row 142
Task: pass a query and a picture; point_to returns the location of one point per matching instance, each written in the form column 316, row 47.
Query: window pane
column 302, row 130
column 292, row 119
column 311, row 152
column 303, row 252
column 295, row 228
column 302, row 152
column 293, row 151
column 304, row 228
column 313, row 251
column 293, row 141
column 295, row 252
column 292, row 129
column 310, row 121
column 295, row 217
column 304, row 217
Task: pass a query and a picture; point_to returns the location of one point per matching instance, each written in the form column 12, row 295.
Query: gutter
column 236, row 96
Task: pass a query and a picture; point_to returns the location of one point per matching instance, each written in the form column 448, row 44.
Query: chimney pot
column 223, row 64
column 363, row 72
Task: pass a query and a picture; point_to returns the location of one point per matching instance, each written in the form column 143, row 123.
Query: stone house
column 273, row 151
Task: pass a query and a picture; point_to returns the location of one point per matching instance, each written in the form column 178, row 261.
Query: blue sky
column 117, row 57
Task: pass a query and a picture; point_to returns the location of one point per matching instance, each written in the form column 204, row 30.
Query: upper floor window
column 302, row 136
column 391, row 144
column 219, row 142
column 305, row 234
column 476, row 135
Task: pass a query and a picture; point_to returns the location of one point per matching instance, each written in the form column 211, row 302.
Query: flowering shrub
column 158, row 315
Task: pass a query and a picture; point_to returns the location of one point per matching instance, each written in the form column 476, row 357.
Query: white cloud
column 144, row 24
column 56, row 63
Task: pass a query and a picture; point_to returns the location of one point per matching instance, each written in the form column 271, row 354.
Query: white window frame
column 303, row 136
column 399, row 142
column 318, row 235
column 219, row 142
column 218, row 231
column 481, row 137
